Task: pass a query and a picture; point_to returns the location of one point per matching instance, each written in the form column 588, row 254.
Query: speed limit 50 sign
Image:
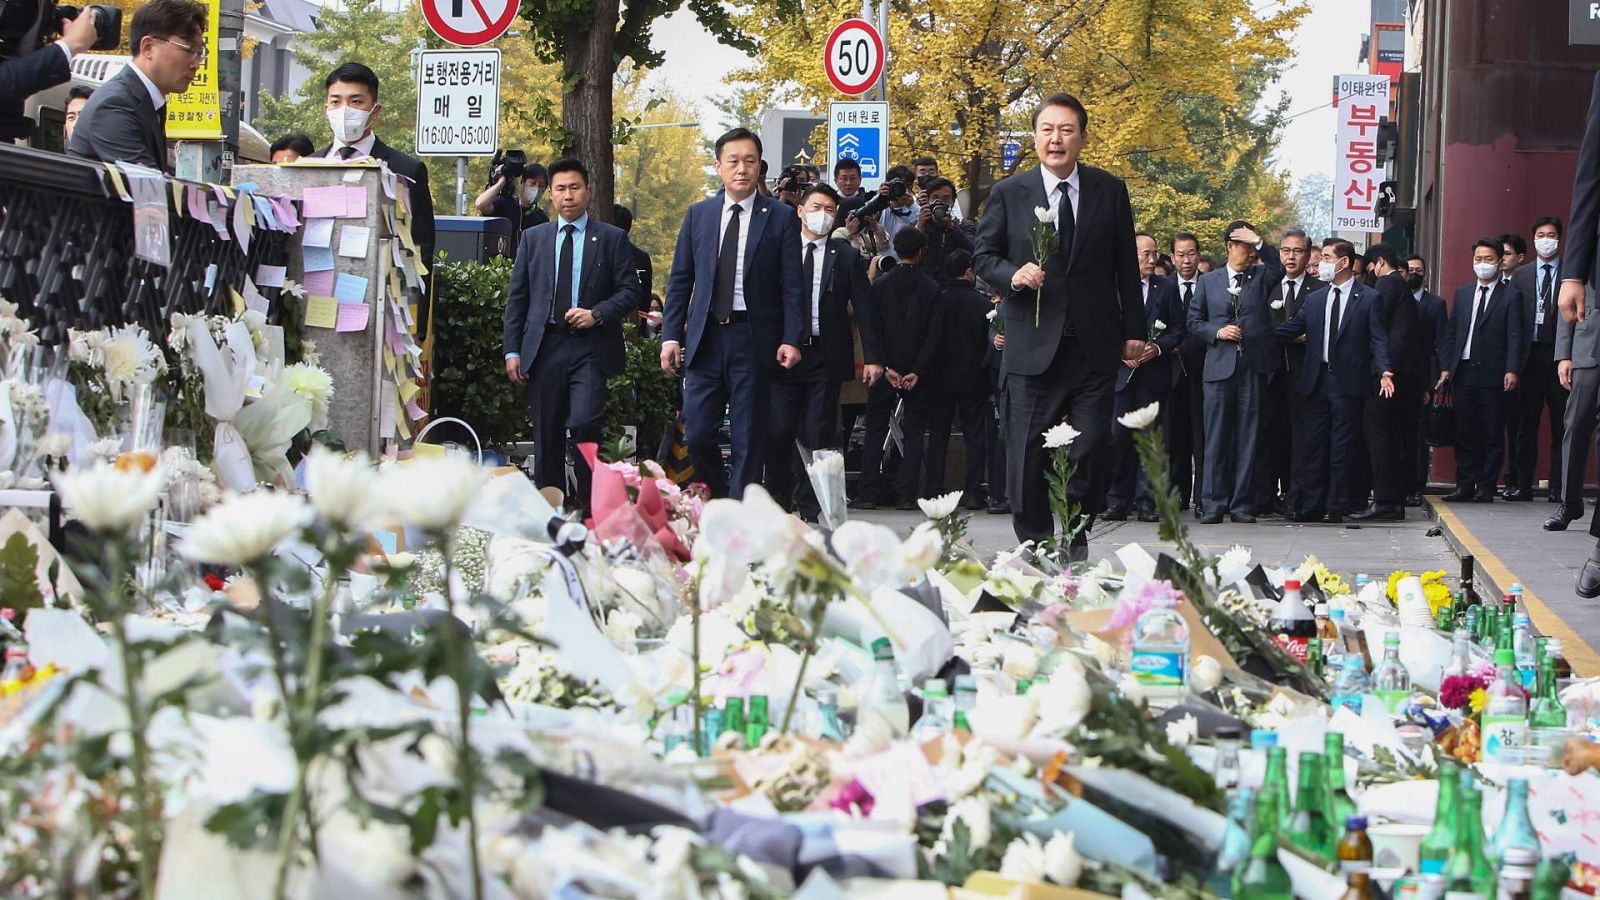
column 853, row 57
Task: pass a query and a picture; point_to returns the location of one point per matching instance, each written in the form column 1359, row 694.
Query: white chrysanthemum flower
column 1205, row 674
column 254, row 319
column 1024, row 860
column 1159, row 326
column 127, row 356
column 84, row 346
column 1141, row 418
column 1278, row 303
column 178, row 335
column 55, row 445
column 1045, row 214
column 941, row 506
column 1064, row 700
column 108, row 499
column 244, row 528
column 973, row 811
column 346, row 488
column 309, row 354
column 1061, row 435
column 8, row 309
column 1062, row 863
column 622, row 627
column 310, row 382
column 438, row 490
column 1181, row 733
column 1020, row 661
column 920, row 552
column 991, row 314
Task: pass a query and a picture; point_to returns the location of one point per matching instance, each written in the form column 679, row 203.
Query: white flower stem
column 694, row 661
column 143, row 822
column 466, row 766
column 301, row 724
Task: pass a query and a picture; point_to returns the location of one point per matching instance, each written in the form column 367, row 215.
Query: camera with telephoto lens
column 880, row 201
column 27, row 25
column 788, row 181
column 939, row 210
column 508, row 164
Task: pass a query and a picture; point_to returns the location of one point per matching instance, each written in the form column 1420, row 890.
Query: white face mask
column 348, row 123
column 818, row 222
column 1546, row 247
column 530, row 195
column 1326, row 271
column 1485, row 271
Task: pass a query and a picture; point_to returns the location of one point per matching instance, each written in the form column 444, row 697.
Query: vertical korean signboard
column 196, row 114
column 1362, row 103
column 458, row 102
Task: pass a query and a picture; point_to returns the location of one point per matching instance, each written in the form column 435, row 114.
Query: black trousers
column 1326, row 438
column 1127, row 485
column 1577, row 437
column 1480, row 429
column 567, row 402
column 914, row 417
column 804, row 410
column 1273, row 443
column 1190, row 463
column 1391, row 426
column 1540, row 390
column 972, row 406
column 1067, row 390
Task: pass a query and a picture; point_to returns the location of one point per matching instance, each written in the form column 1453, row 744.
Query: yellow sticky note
column 388, row 358
column 238, row 300
column 321, row 312
column 117, row 182
column 408, row 389
column 177, row 196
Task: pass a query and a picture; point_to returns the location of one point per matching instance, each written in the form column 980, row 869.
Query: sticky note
column 242, row 222
column 211, row 277
column 413, row 410
column 352, row 177
column 350, row 288
column 237, row 299
column 263, row 212
column 319, row 233
column 252, row 297
column 270, row 276
column 219, row 219
column 324, row 202
column 387, row 403
column 197, row 204
column 286, row 214
column 321, row 312
column 353, row 316
column 320, row 283
column 318, row 259
column 353, row 241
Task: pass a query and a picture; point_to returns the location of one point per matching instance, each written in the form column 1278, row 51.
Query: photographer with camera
column 515, row 187
column 937, row 219
column 30, row 65
column 125, row 120
column 896, row 205
column 793, row 182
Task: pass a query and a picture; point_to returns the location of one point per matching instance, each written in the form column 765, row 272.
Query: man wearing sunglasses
column 125, row 120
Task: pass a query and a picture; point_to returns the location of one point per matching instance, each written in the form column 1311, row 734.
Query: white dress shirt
column 1540, row 265
column 1486, row 292
column 1345, row 290
column 363, row 147
column 748, row 206
column 156, row 97
column 817, row 258
column 1052, row 199
column 1299, row 289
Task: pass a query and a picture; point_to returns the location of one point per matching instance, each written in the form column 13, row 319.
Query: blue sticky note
column 211, row 277
column 247, row 187
column 318, row 259
column 350, row 288
column 388, row 540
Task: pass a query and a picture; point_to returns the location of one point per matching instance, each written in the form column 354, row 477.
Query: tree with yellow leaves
column 1170, row 85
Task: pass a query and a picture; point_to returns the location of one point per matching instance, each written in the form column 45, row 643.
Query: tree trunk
column 586, row 109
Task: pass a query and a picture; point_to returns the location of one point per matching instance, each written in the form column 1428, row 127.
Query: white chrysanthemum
column 178, row 335
column 1159, row 326
column 1141, row 418
column 991, row 314
column 1205, row 675
column 920, row 552
column 1278, row 303
column 310, row 382
column 1024, row 861
column 8, row 309
column 1020, row 661
column 309, row 354
column 1061, row 435
column 55, row 445
column 1062, row 864
column 109, row 500
column 438, row 490
column 622, row 627
column 974, row 812
column 128, row 357
column 1182, row 732
column 1044, row 214
column 941, row 506
column 84, row 346
column 244, row 528
column 1064, row 700
column 254, row 319
column 345, row 488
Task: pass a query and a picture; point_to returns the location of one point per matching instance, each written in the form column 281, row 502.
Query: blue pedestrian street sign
column 1009, row 152
column 860, row 131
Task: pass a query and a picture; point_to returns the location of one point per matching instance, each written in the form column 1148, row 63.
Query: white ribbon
column 226, row 370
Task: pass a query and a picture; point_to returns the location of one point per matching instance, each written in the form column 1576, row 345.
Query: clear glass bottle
column 1505, row 716
column 1391, row 680
column 1523, row 648
column 1517, row 874
column 1340, row 806
column 1233, row 851
column 1460, row 655
column 966, row 699
column 1472, row 624
column 882, row 696
column 1516, row 830
column 1309, row 827
column 16, row 664
column 828, row 726
column 1440, row 839
column 936, row 719
column 1226, row 769
column 1160, row 658
column 1555, row 655
column 1351, row 684
column 1263, row 877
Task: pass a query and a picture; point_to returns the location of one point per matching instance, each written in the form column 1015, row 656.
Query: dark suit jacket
column 646, row 272
column 907, row 314
column 1095, row 290
column 1164, row 304
column 1360, row 351
column 1293, row 353
column 1500, row 346
column 1399, row 312
column 607, row 285
column 1212, row 308
column 966, row 338
column 24, row 76
column 846, row 294
column 120, row 123
column 1433, row 317
column 1583, row 225
column 1526, row 280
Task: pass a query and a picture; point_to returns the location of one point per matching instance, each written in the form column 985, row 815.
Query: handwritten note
column 352, row 177
column 319, row 233
column 318, row 259
column 320, row 283
column 353, row 316
column 243, row 221
column 353, row 241
column 324, row 202
column 350, row 288
column 284, row 206
column 321, row 312
column 270, row 276
column 252, row 297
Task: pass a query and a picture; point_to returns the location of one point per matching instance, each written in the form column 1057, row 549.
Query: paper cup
column 1396, row 845
column 1413, row 603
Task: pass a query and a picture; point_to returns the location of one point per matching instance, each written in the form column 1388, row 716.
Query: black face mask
column 1414, row 282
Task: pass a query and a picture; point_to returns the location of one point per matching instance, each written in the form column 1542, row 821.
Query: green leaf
column 19, row 578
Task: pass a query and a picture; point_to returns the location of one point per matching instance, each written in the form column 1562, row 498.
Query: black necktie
column 1547, row 325
column 563, row 274
column 1288, row 300
column 1333, row 329
column 1188, row 294
column 727, row 268
column 810, row 275
column 1066, row 223
column 346, row 152
column 1477, row 316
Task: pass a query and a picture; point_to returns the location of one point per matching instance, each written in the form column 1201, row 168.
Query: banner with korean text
column 1361, row 103
column 196, row 114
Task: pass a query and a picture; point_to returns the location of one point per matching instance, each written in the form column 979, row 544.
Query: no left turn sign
column 469, row 23
column 853, row 57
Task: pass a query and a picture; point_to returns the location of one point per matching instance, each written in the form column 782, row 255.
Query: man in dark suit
column 735, row 305
column 1392, row 420
column 1486, row 347
column 1540, row 389
column 622, row 217
column 353, row 111
column 571, row 288
column 1186, row 440
column 805, row 399
column 1579, row 279
column 23, row 76
column 125, row 120
column 1148, row 379
column 963, row 384
column 1578, row 370
column 994, row 444
column 1069, row 319
column 1347, row 350
column 1231, row 310
column 1282, row 404
column 1433, row 322
column 1513, row 250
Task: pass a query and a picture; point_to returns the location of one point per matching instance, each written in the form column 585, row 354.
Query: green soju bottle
column 1441, row 838
column 1309, row 827
column 1262, row 877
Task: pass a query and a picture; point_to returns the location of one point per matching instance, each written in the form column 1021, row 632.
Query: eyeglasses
column 200, row 53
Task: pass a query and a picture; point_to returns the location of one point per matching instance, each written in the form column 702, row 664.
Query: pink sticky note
column 197, row 203
column 391, row 333
column 284, row 207
column 319, row 283
column 413, row 410
column 355, row 201
column 324, row 202
column 353, row 317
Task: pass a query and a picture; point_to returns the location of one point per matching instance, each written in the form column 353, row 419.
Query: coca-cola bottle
column 1292, row 624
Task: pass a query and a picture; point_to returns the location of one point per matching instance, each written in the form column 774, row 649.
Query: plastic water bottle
column 936, row 718
column 882, row 696
column 1350, row 685
column 1505, row 717
column 1160, row 659
column 1524, row 649
column 1391, row 680
column 1515, row 596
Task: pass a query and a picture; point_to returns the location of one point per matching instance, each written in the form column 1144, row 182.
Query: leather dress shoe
column 1380, row 513
column 1517, row 495
column 906, row 505
column 1553, row 497
column 863, row 503
column 1589, row 577
column 1559, row 520
column 1484, row 496
column 1334, row 518
column 1244, row 518
column 1211, row 519
column 1116, row 514
column 1461, row 495
column 1304, row 517
column 1414, row 501
column 1146, row 515
column 1000, row 508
